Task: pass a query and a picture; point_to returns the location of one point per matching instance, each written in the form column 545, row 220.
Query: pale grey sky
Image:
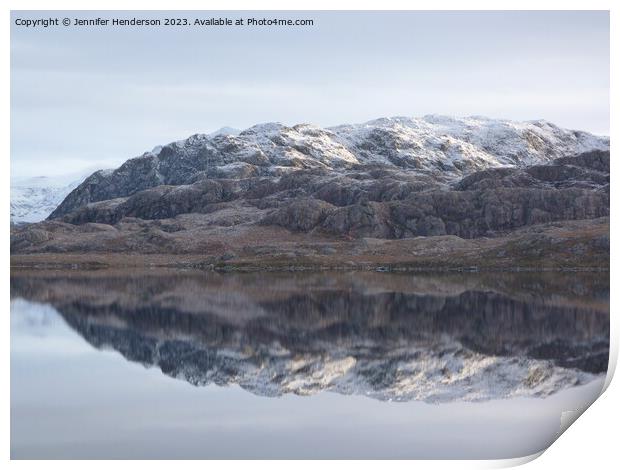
column 94, row 97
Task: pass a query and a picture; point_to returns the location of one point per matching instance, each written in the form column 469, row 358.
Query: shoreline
column 99, row 261
column 579, row 245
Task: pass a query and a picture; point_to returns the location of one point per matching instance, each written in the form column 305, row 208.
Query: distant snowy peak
column 34, row 203
column 34, row 198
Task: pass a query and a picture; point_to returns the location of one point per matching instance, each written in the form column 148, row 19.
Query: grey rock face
column 302, row 214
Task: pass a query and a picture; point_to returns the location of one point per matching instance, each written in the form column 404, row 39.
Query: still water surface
column 183, row 364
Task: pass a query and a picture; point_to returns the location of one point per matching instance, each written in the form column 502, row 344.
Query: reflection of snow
column 422, row 374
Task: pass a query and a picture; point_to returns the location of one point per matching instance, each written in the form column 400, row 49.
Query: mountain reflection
column 390, row 337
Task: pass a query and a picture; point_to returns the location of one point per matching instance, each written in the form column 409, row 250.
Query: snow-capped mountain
column 441, row 147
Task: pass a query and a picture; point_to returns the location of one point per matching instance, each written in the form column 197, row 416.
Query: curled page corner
column 567, row 418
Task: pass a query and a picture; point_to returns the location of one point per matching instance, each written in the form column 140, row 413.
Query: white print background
column 590, row 443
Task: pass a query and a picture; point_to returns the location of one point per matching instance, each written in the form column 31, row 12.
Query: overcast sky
column 93, row 97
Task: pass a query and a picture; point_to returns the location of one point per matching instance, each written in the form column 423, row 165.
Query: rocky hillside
column 395, row 178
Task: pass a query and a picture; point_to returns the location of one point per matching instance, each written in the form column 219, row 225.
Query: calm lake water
column 185, row 364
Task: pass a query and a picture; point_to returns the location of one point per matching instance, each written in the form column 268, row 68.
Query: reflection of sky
column 84, row 97
column 70, row 400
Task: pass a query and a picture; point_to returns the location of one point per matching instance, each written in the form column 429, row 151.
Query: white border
column 591, row 442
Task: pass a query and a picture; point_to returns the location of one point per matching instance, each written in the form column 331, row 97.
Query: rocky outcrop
column 486, row 203
column 302, row 214
column 586, row 171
